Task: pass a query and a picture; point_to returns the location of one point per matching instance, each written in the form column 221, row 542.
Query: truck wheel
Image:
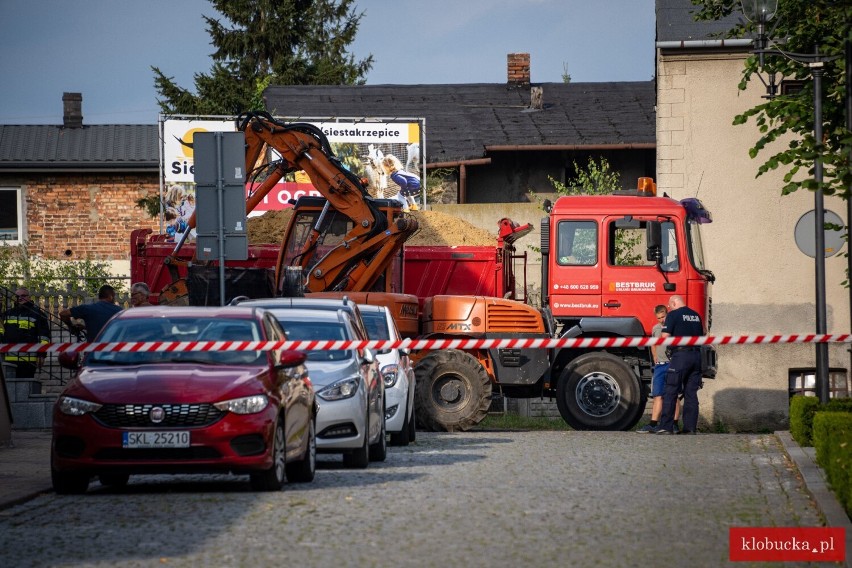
column 453, row 391
column 598, row 391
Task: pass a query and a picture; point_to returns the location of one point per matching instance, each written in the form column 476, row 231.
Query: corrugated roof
column 107, row 146
column 462, row 119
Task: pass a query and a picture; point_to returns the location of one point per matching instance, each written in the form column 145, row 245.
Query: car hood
column 324, row 373
column 157, row 383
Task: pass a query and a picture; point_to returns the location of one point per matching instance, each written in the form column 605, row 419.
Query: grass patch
column 512, row 421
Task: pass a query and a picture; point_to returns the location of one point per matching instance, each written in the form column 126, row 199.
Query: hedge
column 802, row 411
column 832, row 434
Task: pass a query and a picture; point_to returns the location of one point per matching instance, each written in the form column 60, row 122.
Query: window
column 11, row 219
column 803, row 381
column 628, row 246
column 577, row 243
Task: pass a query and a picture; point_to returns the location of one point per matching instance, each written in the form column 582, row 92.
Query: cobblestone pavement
column 464, row 499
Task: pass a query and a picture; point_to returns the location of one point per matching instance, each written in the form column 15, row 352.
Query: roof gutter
column 571, row 147
column 459, row 163
column 705, row 43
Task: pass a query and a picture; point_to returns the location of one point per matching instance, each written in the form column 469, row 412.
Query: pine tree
column 263, row 42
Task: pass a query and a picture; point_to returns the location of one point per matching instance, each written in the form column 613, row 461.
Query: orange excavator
column 346, row 244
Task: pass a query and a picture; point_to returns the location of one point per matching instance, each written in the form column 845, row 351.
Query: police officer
column 684, row 374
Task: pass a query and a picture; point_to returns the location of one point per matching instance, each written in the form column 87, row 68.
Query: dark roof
column 675, row 22
column 461, row 120
column 96, row 147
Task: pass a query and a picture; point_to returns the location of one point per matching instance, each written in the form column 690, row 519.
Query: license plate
column 155, row 439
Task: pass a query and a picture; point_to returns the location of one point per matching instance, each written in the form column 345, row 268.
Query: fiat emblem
column 157, row 414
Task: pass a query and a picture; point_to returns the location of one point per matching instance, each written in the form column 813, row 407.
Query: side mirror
column 367, row 356
column 291, row 359
column 654, row 238
column 404, row 351
column 69, row 360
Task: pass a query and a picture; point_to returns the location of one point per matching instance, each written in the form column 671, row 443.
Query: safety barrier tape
column 424, row 344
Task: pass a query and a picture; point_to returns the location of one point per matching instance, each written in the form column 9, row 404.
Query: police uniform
column 684, row 374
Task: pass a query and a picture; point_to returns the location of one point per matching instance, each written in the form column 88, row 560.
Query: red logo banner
column 787, row 544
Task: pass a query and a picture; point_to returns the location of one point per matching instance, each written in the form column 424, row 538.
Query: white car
column 349, row 389
column 397, row 372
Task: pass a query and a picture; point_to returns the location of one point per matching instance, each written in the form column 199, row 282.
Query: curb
column 835, row 515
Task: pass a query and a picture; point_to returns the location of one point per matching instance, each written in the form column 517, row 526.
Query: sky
column 105, row 49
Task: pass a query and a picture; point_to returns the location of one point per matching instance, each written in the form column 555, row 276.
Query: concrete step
column 34, row 413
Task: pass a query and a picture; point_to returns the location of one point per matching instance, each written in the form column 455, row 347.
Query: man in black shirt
column 684, row 374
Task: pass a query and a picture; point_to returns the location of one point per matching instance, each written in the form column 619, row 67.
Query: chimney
column 72, row 110
column 519, row 68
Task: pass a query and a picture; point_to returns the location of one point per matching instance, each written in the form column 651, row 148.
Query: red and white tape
column 424, row 344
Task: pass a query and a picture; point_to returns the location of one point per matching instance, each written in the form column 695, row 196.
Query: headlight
column 340, row 390
column 77, row 406
column 389, row 374
column 245, row 405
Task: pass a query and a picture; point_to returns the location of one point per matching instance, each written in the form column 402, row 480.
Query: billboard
column 387, row 154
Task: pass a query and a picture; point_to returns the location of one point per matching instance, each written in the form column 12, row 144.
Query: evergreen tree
column 263, row 42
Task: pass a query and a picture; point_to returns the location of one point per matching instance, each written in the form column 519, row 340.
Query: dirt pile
column 436, row 228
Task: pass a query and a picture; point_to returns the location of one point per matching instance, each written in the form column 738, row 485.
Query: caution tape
column 423, row 344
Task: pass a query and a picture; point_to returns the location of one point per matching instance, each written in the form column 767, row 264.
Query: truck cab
column 610, row 259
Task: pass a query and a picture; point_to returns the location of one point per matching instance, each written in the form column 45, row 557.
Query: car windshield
column 376, row 324
column 179, row 329
column 317, row 331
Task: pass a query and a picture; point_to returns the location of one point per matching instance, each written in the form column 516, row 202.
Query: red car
column 245, row 412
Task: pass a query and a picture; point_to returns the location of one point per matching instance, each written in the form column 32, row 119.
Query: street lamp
column 760, row 12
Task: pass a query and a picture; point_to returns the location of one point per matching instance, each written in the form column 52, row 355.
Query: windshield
column 180, row 329
column 696, row 248
column 376, row 324
column 317, row 331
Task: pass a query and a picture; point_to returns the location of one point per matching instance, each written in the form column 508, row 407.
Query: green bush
column 18, row 268
column 832, row 434
column 802, row 410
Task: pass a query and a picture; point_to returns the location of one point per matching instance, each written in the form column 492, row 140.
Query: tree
column 282, row 42
column 803, row 24
column 566, row 78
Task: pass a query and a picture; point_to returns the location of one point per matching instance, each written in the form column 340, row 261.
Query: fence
column 51, row 301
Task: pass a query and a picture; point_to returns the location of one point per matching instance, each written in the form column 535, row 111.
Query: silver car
column 397, row 372
column 349, row 389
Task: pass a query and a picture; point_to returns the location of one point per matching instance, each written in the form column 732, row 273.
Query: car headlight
column 389, row 374
column 245, row 405
column 340, row 390
column 77, row 406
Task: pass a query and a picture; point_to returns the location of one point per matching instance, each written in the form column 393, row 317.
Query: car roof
column 147, row 312
column 300, row 302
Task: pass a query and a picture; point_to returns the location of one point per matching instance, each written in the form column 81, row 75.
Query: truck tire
column 599, row 391
column 453, row 391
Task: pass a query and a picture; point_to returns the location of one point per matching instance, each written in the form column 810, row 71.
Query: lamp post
column 760, row 12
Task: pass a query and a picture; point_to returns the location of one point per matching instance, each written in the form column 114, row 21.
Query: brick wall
column 78, row 217
column 518, row 68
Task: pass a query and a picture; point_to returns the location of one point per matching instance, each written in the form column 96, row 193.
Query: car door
column 293, row 390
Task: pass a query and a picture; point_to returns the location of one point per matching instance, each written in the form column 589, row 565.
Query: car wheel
column 379, row 450
column 359, row 458
column 272, row 479
column 113, row 479
column 69, row 483
column 303, row 470
column 403, row 437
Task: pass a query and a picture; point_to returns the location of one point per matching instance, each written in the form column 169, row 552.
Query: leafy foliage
column 18, row 268
column 803, row 24
column 283, row 42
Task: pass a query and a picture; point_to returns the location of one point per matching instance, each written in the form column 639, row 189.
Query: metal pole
column 220, row 196
column 819, row 257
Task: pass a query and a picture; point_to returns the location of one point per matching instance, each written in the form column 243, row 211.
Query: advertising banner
column 385, row 154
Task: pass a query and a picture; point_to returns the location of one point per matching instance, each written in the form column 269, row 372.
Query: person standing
column 684, row 373
column 661, row 366
column 409, row 183
column 139, row 293
column 25, row 323
column 95, row 314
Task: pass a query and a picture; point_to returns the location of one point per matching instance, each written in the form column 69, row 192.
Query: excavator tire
column 599, row 391
column 453, row 391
